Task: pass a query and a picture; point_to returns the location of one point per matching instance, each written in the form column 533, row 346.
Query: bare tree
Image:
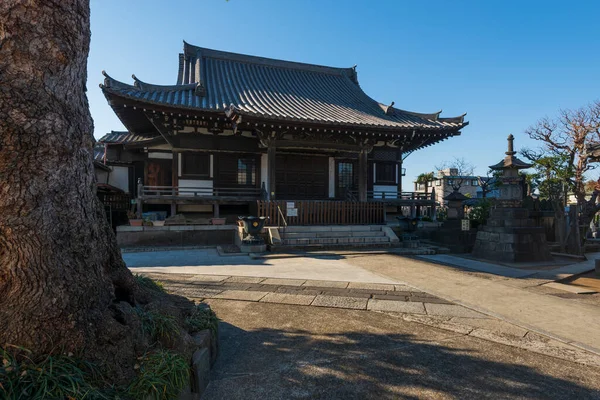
column 458, row 169
column 567, row 138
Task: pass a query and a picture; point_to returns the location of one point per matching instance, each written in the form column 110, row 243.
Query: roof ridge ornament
column 200, row 90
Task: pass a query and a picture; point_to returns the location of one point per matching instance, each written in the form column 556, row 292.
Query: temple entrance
column 300, row 177
column 159, row 173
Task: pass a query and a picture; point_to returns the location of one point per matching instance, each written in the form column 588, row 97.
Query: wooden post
column 216, row 210
column 140, row 193
column 362, row 175
column 271, row 155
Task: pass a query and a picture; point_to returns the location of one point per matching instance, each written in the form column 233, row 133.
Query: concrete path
column 316, row 266
column 404, row 301
column 277, row 351
column 575, row 323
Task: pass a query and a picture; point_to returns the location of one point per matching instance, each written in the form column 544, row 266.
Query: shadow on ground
column 370, row 361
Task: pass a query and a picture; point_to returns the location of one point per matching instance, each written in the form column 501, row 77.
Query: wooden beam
column 271, row 156
column 362, row 175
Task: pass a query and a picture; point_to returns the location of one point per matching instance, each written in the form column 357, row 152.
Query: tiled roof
column 276, row 90
column 122, row 137
column 116, row 138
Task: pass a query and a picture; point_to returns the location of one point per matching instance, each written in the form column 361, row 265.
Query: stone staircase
column 333, row 236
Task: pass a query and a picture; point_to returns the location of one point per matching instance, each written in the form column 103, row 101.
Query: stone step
column 335, row 241
column 298, row 235
column 332, row 228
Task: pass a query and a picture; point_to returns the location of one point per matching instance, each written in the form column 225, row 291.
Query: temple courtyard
column 379, row 324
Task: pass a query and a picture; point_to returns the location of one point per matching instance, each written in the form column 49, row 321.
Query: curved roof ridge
column 110, row 82
column 141, row 85
column 194, row 51
column 395, row 110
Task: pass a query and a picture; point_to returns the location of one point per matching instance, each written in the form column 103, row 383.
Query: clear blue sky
column 505, row 63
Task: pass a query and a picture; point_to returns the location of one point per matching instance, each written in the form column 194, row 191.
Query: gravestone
column 510, row 235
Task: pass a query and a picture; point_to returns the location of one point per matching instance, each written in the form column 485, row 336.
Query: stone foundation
column 176, row 235
column 511, row 236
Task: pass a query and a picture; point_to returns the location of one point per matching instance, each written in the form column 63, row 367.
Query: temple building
column 235, row 129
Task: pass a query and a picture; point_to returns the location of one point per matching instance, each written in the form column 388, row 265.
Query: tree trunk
column 60, row 267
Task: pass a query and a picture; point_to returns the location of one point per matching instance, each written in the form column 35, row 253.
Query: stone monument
column 509, row 234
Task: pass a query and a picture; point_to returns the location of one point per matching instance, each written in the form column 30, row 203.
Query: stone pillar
column 271, row 155
column 362, row 175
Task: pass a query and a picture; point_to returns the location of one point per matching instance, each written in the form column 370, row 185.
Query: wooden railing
column 242, row 192
column 381, row 195
column 326, row 212
column 116, row 201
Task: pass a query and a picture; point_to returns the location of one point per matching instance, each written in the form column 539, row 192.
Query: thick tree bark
column 60, row 267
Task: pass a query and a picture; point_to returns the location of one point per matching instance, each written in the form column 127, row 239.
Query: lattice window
column 345, row 175
column 246, row 171
column 385, row 173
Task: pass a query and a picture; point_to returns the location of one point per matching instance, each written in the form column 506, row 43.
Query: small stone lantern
column 456, row 209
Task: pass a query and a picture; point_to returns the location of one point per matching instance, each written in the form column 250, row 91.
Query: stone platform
column 511, row 236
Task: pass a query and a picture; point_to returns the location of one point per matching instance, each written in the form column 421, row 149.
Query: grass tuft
column 50, row 377
column 158, row 326
column 202, row 318
column 162, row 375
column 149, row 283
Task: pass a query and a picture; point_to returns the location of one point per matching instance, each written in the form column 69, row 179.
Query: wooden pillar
column 216, row 210
column 175, row 181
column 271, row 155
column 140, row 193
column 362, row 175
column 399, row 177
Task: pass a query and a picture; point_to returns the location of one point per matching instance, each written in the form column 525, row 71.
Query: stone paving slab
column 207, row 278
column 327, row 284
column 371, row 286
column 452, row 310
column 405, row 288
column 244, row 279
column 287, row 298
column 240, row 295
column 570, row 288
column 395, row 306
column 340, row 302
column 286, row 282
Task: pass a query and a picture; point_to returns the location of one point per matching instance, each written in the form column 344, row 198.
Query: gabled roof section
column 274, row 90
column 122, row 137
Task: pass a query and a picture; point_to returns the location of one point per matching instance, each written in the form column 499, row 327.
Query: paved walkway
column 509, row 299
column 316, row 266
column 278, row 351
column 406, row 302
column 575, row 323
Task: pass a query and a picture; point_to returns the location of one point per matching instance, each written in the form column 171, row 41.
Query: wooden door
column 300, row 177
column 158, row 173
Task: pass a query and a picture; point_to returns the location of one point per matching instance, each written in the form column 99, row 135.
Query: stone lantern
column 456, row 208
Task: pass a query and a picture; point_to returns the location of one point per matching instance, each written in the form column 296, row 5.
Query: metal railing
column 386, row 195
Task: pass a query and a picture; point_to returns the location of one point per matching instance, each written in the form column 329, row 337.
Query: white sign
column 292, row 212
column 290, row 204
column 465, row 224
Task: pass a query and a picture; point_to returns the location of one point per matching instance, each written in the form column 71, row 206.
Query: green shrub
column 480, row 212
column 158, row 326
column 50, row 377
column 203, row 318
column 162, row 375
column 149, row 283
